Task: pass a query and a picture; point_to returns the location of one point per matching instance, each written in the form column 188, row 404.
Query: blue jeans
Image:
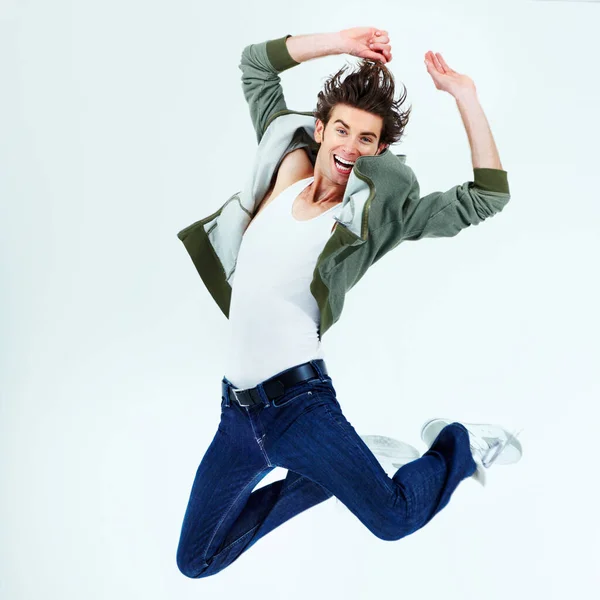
column 306, row 433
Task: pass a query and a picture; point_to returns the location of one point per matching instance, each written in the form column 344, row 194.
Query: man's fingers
column 383, row 47
column 443, row 62
column 377, row 56
column 380, row 39
column 381, row 51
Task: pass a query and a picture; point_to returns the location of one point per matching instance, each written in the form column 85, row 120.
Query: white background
column 122, row 122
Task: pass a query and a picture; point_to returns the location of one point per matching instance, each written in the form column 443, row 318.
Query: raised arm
column 443, row 214
column 261, row 64
column 462, row 88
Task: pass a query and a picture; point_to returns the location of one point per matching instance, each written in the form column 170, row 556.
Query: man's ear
column 317, row 127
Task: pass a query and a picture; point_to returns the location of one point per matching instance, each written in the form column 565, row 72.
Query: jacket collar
column 279, row 135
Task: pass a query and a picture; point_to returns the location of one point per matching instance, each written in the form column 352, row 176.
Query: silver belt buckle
column 236, row 396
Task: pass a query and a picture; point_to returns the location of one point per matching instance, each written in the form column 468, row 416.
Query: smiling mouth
column 341, row 167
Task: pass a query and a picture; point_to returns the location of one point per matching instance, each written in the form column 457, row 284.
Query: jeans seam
column 294, row 399
column 341, row 429
column 236, row 541
column 218, row 525
column 282, row 493
column 292, row 485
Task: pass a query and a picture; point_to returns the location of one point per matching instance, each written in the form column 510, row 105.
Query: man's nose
column 352, row 148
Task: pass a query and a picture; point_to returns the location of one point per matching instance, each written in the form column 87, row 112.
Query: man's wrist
column 466, row 97
column 306, row 47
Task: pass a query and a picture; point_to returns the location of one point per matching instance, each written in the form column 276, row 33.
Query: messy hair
column 370, row 88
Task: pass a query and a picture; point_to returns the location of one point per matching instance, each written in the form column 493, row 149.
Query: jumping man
column 325, row 200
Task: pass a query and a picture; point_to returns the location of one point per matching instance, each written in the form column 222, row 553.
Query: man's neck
column 322, row 192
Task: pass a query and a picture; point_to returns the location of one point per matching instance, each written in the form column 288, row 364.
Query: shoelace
column 490, row 452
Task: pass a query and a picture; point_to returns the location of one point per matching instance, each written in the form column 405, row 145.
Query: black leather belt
column 277, row 385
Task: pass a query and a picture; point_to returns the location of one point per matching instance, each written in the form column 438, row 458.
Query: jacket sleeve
column 444, row 214
column 260, row 65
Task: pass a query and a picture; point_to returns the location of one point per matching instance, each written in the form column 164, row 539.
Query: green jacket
column 381, row 205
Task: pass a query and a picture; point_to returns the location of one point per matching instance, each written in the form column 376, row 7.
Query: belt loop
column 262, row 394
column 318, row 370
column 225, row 385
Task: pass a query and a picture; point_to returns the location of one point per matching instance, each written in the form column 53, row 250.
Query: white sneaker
column 489, row 444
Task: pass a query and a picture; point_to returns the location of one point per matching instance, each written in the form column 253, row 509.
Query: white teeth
column 344, row 161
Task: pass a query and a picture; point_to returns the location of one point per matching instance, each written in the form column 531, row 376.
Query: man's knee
column 191, row 568
column 389, row 534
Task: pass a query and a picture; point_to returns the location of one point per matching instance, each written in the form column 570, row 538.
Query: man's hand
column 445, row 78
column 366, row 42
column 483, row 148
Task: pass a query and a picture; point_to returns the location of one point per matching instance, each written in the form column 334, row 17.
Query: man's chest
column 294, row 167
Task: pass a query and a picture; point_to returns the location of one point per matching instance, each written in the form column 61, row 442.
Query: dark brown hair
column 371, row 88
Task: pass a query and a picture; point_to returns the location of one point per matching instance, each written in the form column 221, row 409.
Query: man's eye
column 368, row 140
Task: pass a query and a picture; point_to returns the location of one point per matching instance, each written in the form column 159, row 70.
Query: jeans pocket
column 294, row 395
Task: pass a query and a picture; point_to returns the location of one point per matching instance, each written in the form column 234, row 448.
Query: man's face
column 350, row 133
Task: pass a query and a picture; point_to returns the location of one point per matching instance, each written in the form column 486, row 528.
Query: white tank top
column 273, row 316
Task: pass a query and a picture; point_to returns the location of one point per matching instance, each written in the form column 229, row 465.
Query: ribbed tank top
column 273, row 316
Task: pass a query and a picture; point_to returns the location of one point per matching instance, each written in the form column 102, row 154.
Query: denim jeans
column 306, row 433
